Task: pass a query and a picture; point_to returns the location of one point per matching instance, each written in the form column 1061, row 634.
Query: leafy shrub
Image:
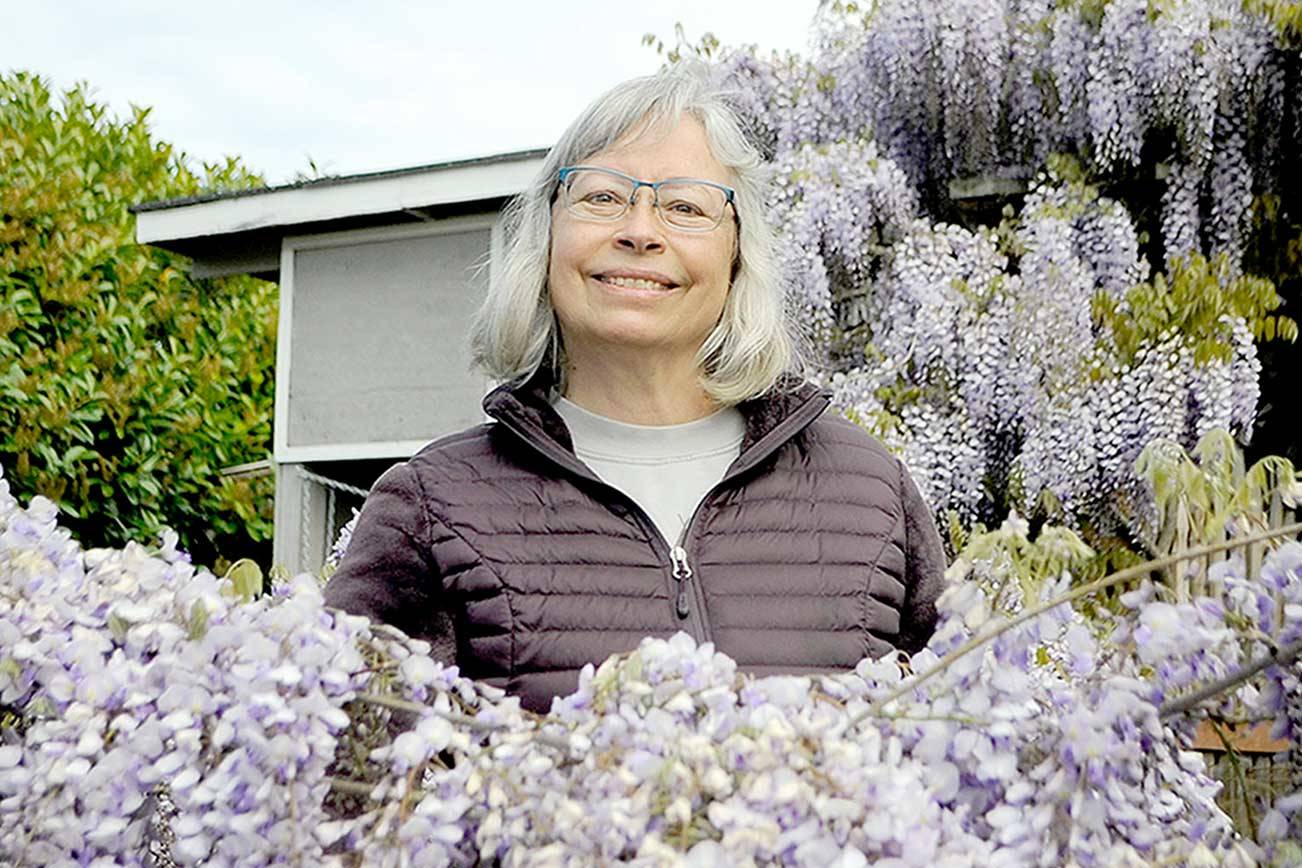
column 125, row 385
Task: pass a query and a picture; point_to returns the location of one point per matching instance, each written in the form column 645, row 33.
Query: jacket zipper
column 680, row 566
column 689, row 591
column 682, row 606
column 682, row 575
column 682, row 569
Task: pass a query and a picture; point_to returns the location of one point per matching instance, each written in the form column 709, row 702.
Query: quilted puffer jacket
column 814, row 551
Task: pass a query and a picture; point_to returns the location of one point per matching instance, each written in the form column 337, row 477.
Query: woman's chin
column 622, row 332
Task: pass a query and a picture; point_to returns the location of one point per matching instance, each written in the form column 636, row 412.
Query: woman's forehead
column 663, row 148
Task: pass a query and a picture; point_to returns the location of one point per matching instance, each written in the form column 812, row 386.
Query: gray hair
column 755, row 341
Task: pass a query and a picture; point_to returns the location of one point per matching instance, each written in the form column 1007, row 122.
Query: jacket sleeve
column 388, row 572
column 924, row 556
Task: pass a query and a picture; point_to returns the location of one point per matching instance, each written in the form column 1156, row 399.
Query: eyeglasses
column 688, row 204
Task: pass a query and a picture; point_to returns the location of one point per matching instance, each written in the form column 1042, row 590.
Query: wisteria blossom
column 153, row 717
column 1001, row 388
column 149, row 715
column 994, row 87
column 974, row 350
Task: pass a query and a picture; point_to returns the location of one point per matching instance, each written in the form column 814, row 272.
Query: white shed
column 379, row 274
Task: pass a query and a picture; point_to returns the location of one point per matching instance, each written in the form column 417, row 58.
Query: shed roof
column 240, row 231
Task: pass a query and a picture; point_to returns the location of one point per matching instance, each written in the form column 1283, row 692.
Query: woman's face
column 599, row 272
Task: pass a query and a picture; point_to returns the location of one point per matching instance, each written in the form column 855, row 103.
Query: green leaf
column 198, row 623
column 246, row 577
column 118, row 626
column 78, row 453
column 83, row 309
column 9, row 667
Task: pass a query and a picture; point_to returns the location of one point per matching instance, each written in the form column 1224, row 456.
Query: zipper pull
column 682, row 573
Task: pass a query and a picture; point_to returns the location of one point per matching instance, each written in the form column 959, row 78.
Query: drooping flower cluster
column 990, row 372
column 1276, row 595
column 342, row 540
column 838, row 206
column 132, row 671
column 151, row 717
column 1207, row 620
column 994, row 87
column 986, row 364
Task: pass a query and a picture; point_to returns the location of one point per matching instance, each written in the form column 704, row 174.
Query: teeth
column 632, row 283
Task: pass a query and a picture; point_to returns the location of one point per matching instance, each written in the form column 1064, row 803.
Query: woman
column 655, row 462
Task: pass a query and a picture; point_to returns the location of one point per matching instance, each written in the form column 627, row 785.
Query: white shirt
column 665, row 469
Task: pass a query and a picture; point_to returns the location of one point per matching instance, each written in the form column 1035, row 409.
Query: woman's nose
column 641, row 229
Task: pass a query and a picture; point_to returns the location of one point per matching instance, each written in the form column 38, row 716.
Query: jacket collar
column 771, row 419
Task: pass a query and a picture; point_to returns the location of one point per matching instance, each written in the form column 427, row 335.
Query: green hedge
column 125, row 385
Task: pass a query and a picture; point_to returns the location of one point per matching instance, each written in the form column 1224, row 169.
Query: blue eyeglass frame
column 729, row 193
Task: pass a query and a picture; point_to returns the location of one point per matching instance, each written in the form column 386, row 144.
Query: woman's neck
column 640, row 394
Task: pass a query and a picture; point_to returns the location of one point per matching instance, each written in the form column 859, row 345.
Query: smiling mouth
column 635, row 283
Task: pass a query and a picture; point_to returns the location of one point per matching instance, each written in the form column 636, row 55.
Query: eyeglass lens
column 597, row 195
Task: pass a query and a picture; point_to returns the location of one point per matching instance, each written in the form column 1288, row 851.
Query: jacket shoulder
column 833, row 432
column 477, row 454
column 470, row 444
column 474, row 440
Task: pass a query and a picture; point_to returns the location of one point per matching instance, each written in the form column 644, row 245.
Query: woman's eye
column 603, row 197
column 682, row 206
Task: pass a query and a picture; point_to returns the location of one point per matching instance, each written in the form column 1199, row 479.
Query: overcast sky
column 365, row 84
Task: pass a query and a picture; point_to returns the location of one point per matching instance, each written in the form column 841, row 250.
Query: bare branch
column 351, row 788
column 462, row 720
column 1278, row 656
column 1117, row 578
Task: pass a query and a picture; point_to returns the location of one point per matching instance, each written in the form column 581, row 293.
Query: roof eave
column 325, row 200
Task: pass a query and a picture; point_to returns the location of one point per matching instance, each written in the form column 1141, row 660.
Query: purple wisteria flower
column 158, row 712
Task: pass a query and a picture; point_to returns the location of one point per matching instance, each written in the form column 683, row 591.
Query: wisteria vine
column 996, row 87
column 1001, row 386
column 151, row 716
column 979, row 352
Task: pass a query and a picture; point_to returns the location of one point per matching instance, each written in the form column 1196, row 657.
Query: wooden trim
column 986, row 187
column 1254, row 738
column 310, row 452
column 382, row 194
